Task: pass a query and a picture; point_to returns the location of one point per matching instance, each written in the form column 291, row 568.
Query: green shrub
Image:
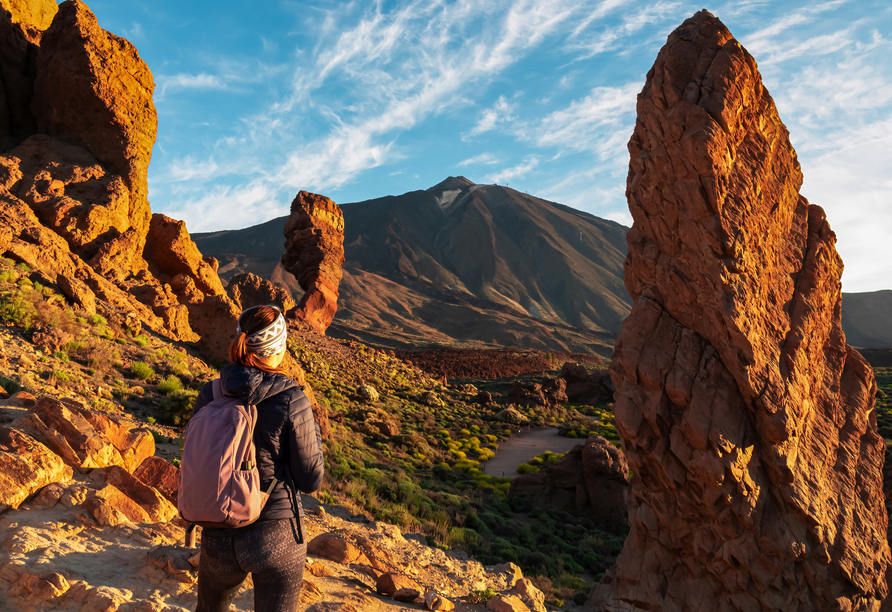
column 526, row 468
column 96, row 319
column 178, row 406
column 63, row 357
column 61, row 375
column 141, row 340
column 150, row 420
column 169, row 385
column 17, row 309
column 142, row 370
column 9, row 385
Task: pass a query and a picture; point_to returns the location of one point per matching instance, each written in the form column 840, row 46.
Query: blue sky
column 357, row 100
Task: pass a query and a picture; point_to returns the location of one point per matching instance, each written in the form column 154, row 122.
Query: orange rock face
column 314, row 254
column 26, row 466
column 32, row 16
column 172, row 250
column 248, row 290
column 92, row 89
column 745, row 417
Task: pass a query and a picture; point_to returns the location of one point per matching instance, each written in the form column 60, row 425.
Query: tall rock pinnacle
column 314, row 254
column 746, row 419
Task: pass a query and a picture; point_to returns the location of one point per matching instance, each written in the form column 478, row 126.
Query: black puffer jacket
column 285, row 432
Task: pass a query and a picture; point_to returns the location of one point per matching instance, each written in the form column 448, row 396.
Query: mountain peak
column 447, row 191
column 452, row 182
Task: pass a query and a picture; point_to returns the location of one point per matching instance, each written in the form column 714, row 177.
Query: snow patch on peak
column 445, row 199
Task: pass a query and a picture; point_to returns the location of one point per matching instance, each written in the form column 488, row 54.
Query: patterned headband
column 270, row 340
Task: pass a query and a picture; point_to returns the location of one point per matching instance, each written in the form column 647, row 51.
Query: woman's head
column 261, row 338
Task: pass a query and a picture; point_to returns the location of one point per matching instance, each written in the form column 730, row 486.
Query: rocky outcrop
column 550, row 392
column 18, row 61
column 31, row 16
column 314, row 254
column 745, row 417
column 73, row 196
column 87, row 439
column 591, row 479
column 587, row 388
column 248, row 290
column 173, row 254
column 26, row 466
column 92, row 89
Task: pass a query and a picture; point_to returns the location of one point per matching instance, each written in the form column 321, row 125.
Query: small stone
column 506, row 603
column 391, row 582
column 368, row 393
column 434, row 601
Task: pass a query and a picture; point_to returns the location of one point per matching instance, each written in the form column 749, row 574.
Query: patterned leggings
column 270, row 552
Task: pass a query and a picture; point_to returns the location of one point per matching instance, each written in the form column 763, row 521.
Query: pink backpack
column 219, row 481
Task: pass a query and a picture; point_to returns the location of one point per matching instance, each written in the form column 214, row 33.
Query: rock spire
column 746, row 419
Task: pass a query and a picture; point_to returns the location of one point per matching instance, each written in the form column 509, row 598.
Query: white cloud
column 492, row 117
column 484, row 159
column 507, row 174
column 187, row 81
column 601, row 122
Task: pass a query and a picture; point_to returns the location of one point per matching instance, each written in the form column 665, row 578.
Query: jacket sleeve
column 205, row 397
column 304, row 445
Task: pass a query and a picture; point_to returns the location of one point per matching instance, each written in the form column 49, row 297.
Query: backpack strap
column 297, row 505
column 217, row 388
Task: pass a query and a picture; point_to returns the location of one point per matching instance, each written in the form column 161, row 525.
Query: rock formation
column 746, row 419
column 587, row 388
column 31, row 16
column 593, row 479
column 77, row 126
column 248, row 290
column 314, row 254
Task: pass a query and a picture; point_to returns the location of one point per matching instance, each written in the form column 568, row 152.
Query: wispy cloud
column 600, row 122
column 491, row 118
column 484, row 159
column 507, row 174
column 187, row 81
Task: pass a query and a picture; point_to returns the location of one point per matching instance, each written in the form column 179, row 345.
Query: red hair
column 252, row 321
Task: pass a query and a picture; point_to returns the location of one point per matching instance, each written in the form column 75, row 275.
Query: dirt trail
column 525, row 446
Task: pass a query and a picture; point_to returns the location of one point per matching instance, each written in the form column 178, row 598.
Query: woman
column 288, row 445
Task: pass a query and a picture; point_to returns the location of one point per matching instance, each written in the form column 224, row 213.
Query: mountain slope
column 461, row 264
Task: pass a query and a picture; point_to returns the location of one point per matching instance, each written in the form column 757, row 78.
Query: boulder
column 435, row 602
column 590, row 479
column 511, row 416
column 50, row 338
column 248, row 290
column 587, row 388
column 745, row 417
column 506, row 603
column 93, row 90
column 550, row 392
column 160, row 475
column 26, row 466
column 110, row 506
column 329, row 546
column 149, row 499
column 390, row 582
column 531, row 596
column 170, row 248
column 88, row 439
column 314, row 254
column 367, row 393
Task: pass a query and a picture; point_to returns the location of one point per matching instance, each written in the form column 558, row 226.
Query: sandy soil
column 525, row 446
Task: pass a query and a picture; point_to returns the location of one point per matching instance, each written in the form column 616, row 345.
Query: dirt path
column 523, row 447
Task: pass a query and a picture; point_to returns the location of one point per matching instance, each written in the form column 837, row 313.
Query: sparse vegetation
column 169, row 385
column 142, row 370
